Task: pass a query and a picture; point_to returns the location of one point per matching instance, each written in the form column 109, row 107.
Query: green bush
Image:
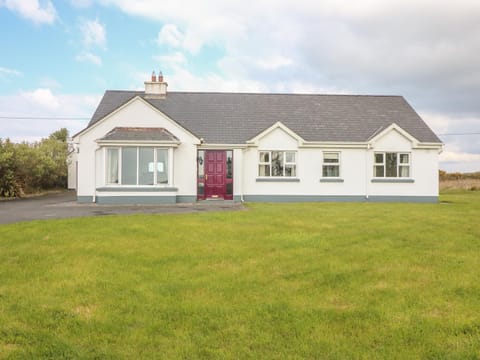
column 32, row 167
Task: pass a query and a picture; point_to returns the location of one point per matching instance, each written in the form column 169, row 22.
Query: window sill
column 277, row 179
column 331, row 180
column 393, row 180
column 130, row 188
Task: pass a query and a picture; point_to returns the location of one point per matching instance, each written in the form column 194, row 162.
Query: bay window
column 132, row 165
column 391, row 165
column 277, row 164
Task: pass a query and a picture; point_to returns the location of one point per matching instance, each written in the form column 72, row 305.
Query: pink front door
column 215, row 171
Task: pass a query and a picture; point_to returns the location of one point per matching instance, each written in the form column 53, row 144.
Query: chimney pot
column 154, row 76
column 160, row 76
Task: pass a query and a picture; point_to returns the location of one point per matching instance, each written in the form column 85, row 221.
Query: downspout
column 242, row 200
column 366, row 170
column 95, row 180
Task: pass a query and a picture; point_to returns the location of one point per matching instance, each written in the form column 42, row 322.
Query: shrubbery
column 31, row 167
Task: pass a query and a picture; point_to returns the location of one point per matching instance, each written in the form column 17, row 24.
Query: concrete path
column 64, row 205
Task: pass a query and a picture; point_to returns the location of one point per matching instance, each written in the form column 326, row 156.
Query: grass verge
column 323, row 280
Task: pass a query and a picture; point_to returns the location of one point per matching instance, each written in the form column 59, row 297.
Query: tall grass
column 277, row 281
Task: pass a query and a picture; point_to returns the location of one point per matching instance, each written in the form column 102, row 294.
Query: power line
column 460, row 134
column 43, row 118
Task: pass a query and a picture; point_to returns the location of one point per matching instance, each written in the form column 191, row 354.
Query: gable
column 137, row 113
column 393, row 138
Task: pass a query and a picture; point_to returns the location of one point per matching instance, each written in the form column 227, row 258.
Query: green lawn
column 276, row 281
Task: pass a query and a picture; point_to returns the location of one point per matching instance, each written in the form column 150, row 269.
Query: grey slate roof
column 139, row 134
column 234, row 118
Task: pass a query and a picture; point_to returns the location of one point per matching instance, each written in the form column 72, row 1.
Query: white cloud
column 32, row 10
column 170, row 35
column 43, row 97
column 94, row 33
column 9, row 72
column 89, row 57
column 43, row 103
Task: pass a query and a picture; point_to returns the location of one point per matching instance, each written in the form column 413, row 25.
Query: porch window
column 136, row 166
column 391, row 165
column 331, row 164
column 277, row 164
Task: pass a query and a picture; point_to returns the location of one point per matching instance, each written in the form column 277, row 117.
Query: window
column 136, row 166
column 331, row 164
column 112, row 166
column 391, row 164
column 277, row 163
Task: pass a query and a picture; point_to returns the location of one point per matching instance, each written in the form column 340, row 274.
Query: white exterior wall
column 356, row 169
column 138, row 114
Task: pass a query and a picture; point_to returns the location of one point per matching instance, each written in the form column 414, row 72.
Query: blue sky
column 58, row 57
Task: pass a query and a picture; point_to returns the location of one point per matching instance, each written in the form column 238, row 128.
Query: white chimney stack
column 156, row 89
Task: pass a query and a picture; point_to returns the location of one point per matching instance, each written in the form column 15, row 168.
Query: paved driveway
column 64, row 205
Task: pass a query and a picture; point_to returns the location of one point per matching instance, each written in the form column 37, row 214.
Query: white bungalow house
column 157, row 147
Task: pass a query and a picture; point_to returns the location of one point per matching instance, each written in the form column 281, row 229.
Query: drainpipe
column 366, row 170
column 95, row 180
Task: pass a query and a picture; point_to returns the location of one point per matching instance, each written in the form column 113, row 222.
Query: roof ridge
column 255, row 93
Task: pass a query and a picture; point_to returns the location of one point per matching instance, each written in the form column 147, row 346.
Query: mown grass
column 277, row 281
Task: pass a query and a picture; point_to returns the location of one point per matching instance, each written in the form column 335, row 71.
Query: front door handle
column 206, row 176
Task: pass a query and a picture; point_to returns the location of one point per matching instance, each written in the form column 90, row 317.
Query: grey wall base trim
column 137, row 189
column 237, row 198
column 186, row 198
column 277, row 179
column 84, row 199
column 339, row 198
column 392, row 180
column 408, row 199
column 147, row 200
column 331, row 180
column 302, row 198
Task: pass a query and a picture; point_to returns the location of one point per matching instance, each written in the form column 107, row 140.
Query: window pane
column 290, row 156
column 229, row 188
column 404, row 171
column 277, row 163
column 379, row 171
column 229, row 164
column 391, row 165
column 264, row 156
column 331, row 157
column 112, row 166
column 404, row 159
column 201, row 189
column 129, row 166
column 162, row 166
column 290, row 170
column 146, row 166
column 331, row 171
column 378, row 158
column 264, row 170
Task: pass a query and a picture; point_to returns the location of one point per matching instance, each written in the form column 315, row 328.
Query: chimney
column 156, row 89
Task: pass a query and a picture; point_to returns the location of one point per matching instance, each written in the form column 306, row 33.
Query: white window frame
column 285, row 163
column 337, row 164
column 155, row 161
column 398, row 165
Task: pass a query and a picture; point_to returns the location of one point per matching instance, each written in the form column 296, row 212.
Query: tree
column 32, row 167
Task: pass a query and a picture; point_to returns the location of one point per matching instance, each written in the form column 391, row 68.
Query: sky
column 58, row 57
